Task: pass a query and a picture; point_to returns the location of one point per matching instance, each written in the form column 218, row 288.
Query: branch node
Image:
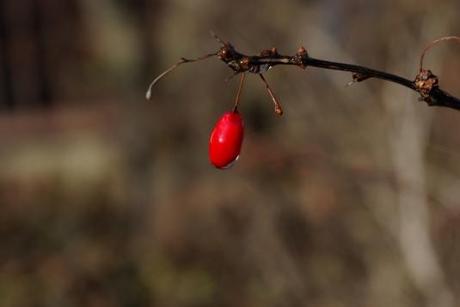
column 358, row 77
column 425, row 82
column 269, row 53
column 301, row 58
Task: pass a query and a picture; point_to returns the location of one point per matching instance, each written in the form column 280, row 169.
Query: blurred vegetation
column 350, row 199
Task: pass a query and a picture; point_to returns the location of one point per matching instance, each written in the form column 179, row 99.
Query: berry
column 226, row 139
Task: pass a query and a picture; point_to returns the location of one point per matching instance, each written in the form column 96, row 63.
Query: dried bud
column 424, row 82
column 302, row 51
column 301, row 57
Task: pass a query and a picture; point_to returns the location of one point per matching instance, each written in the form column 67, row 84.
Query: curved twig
column 430, row 45
column 148, row 94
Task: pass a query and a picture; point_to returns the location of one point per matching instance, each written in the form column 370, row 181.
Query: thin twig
column 148, row 95
column 278, row 109
column 238, row 93
column 430, row 45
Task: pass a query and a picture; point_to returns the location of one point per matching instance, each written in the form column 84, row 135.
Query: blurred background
column 351, row 198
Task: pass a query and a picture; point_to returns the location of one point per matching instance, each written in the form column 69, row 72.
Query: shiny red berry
column 226, row 139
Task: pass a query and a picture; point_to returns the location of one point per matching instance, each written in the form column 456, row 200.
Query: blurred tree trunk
column 408, row 134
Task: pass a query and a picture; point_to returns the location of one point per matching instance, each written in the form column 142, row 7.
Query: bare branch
column 425, row 83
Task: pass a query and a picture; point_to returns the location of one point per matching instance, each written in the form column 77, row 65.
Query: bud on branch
column 425, row 82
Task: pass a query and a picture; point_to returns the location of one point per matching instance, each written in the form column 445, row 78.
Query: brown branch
column 425, row 82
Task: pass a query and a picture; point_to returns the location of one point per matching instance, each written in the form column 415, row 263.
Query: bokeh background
column 352, row 198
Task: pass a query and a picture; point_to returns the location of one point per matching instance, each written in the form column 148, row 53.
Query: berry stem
column 238, row 94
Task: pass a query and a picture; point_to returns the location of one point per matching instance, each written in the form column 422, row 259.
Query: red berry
column 226, row 139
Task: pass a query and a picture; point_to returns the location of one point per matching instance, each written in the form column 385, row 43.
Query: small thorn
column 357, row 77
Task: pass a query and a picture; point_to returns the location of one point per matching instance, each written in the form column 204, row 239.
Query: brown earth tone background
column 352, row 198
